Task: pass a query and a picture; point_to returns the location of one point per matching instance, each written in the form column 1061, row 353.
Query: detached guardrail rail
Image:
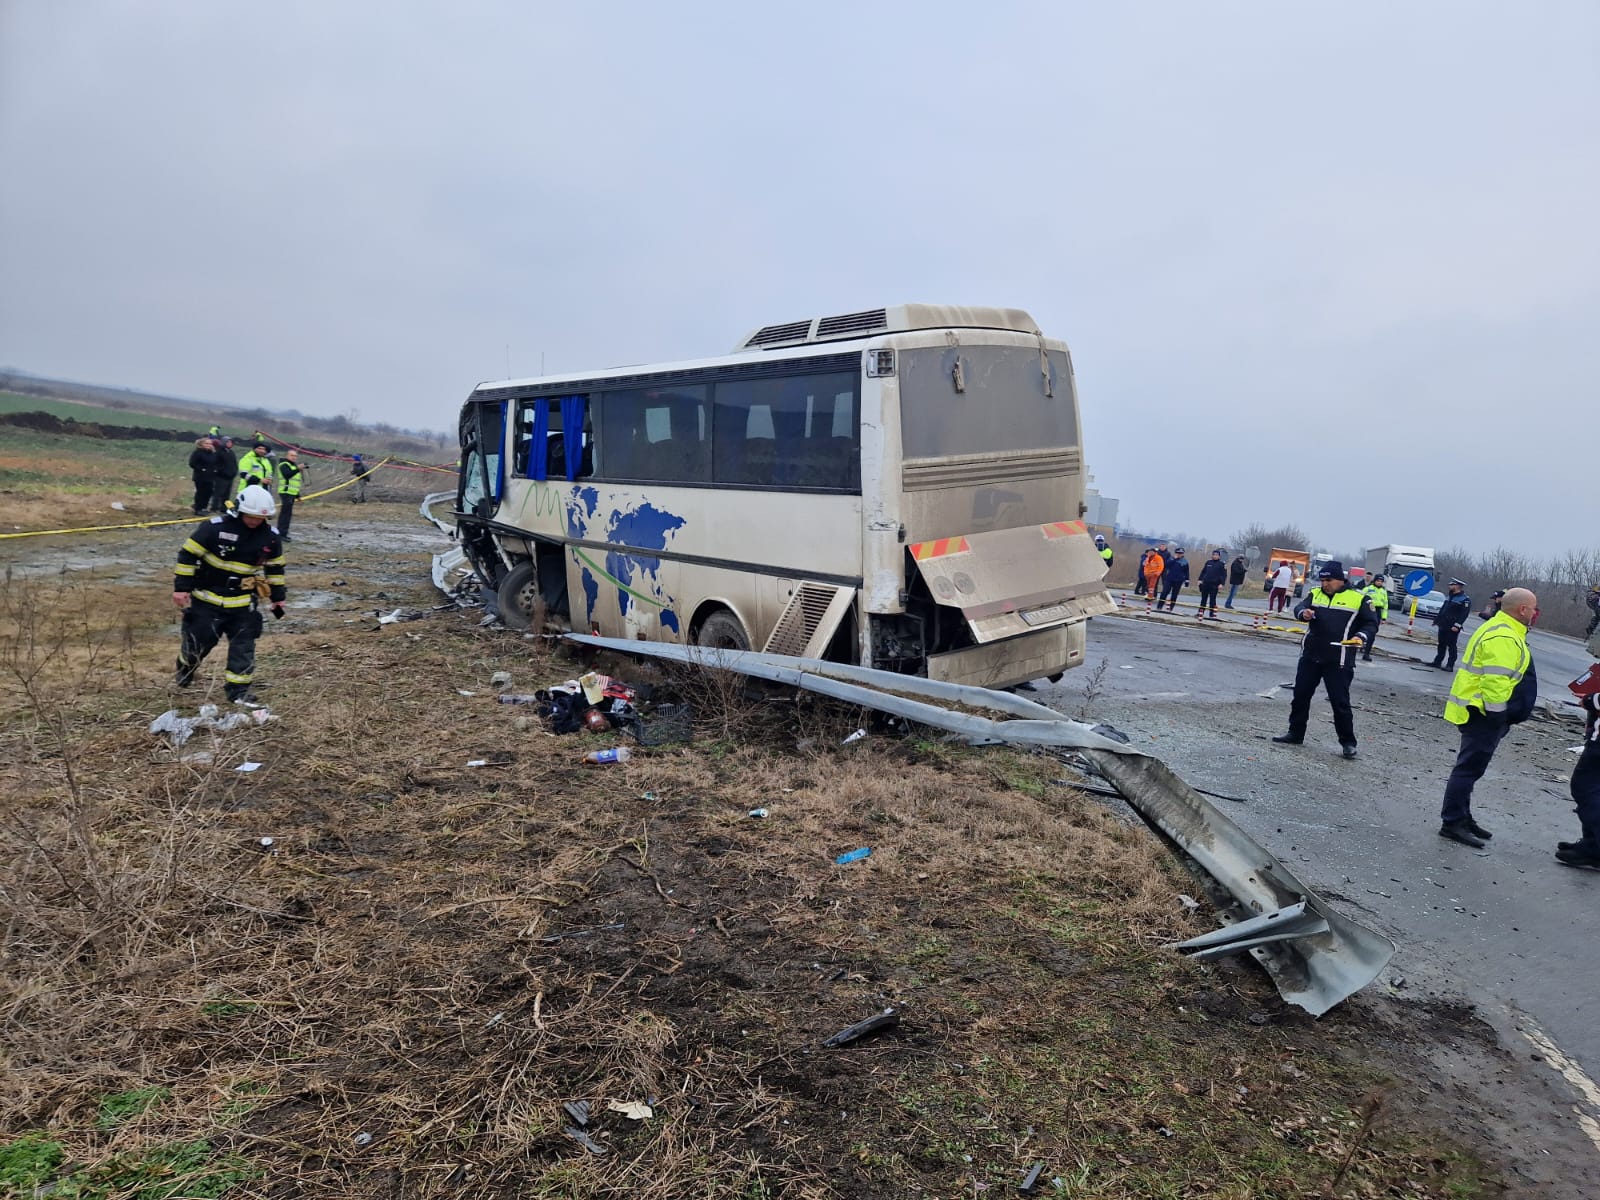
column 1315, row 955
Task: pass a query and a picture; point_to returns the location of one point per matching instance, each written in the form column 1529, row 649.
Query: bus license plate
column 1041, row 616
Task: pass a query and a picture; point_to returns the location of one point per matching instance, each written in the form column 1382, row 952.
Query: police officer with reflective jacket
column 225, row 567
column 1337, row 619
column 1495, row 689
column 1451, row 617
column 1106, row 553
column 291, row 476
column 1377, row 592
column 255, row 468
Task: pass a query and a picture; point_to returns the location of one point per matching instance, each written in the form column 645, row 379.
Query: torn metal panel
column 1316, row 969
column 1284, row 924
column 1008, row 582
column 1316, row 956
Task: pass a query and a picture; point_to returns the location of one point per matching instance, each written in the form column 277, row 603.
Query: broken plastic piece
column 887, row 1019
column 854, row 737
column 1031, row 1179
column 853, row 856
column 631, row 1109
column 578, row 1110
column 363, row 1139
column 584, row 1140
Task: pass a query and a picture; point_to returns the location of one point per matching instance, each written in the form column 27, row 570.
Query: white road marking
column 1572, row 1073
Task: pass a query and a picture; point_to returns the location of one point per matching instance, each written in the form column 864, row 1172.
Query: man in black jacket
column 1451, row 617
column 227, row 471
column 215, row 584
column 1336, row 618
column 1236, row 577
column 203, row 471
column 1212, row 575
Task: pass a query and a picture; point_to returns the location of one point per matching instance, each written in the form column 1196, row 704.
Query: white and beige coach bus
column 901, row 488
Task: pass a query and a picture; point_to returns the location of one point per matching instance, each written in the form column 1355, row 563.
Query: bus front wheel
column 721, row 631
column 520, row 602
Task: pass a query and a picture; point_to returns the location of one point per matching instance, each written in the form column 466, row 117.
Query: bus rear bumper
column 1012, row 661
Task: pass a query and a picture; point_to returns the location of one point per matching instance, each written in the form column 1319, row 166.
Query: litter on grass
column 180, row 729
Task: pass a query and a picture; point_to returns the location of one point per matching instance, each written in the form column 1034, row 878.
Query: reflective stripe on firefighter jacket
column 253, row 469
column 1494, row 662
column 1379, row 598
column 219, row 560
column 290, row 477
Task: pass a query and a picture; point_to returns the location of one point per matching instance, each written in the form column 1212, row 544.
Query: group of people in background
column 220, row 476
column 1494, row 687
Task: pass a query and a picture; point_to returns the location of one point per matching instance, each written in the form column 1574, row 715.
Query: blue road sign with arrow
column 1418, row 583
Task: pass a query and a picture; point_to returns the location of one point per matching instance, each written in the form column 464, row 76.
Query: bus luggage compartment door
column 1013, row 581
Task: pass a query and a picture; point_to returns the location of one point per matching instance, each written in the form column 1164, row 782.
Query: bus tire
column 721, row 631
column 519, row 598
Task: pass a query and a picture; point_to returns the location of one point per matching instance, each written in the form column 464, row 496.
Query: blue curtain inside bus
column 572, row 432
column 538, row 450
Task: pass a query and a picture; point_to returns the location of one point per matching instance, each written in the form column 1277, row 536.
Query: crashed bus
column 901, row 488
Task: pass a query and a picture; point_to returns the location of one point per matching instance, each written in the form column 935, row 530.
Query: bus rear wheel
column 721, row 631
column 518, row 597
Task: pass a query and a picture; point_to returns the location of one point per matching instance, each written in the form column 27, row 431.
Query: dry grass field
column 399, row 995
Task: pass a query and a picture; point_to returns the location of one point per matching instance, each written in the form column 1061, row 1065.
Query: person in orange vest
column 1154, row 566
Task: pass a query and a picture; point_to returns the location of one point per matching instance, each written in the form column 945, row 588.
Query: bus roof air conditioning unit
column 900, row 318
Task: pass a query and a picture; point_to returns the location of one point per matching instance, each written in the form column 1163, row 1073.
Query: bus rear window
column 997, row 401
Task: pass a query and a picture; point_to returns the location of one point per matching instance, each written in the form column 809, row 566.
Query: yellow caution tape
column 100, row 528
column 345, row 484
column 177, row 521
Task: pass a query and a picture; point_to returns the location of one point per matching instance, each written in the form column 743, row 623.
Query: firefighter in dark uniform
column 1338, row 618
column 225, row 569
column 1452, row 616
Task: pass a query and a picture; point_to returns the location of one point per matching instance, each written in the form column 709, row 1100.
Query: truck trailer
column 1395, row 563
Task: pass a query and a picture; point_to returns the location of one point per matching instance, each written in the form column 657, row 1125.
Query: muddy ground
column 397, row 997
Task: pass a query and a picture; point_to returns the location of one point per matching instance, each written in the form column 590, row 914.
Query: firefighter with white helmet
column 225, row 569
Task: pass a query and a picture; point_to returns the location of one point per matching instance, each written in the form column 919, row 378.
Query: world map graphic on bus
column 641, row 526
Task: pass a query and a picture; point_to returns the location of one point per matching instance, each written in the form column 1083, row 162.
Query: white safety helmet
column 256, row 501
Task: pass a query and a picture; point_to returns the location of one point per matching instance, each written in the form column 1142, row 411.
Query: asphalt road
column 1507, row 926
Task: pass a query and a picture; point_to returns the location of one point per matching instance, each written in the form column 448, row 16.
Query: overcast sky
column 1330, row 264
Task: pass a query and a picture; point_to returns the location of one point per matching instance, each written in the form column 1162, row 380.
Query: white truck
column 1395, row 563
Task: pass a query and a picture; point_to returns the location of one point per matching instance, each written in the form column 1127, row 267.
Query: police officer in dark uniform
column 215, row 584
column 1452, row 616
column 1337, row 619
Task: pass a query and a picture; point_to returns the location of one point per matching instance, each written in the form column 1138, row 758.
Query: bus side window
column 522, row 450
column 655, row 434
column 799, row 432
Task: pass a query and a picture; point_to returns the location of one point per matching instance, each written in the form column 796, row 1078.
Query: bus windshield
column 962, row 400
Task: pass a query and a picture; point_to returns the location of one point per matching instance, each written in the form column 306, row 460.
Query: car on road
column 1429, row 605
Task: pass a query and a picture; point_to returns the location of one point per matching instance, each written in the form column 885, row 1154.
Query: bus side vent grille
column 800, row 619
column 794, row 331
column 853, row 323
